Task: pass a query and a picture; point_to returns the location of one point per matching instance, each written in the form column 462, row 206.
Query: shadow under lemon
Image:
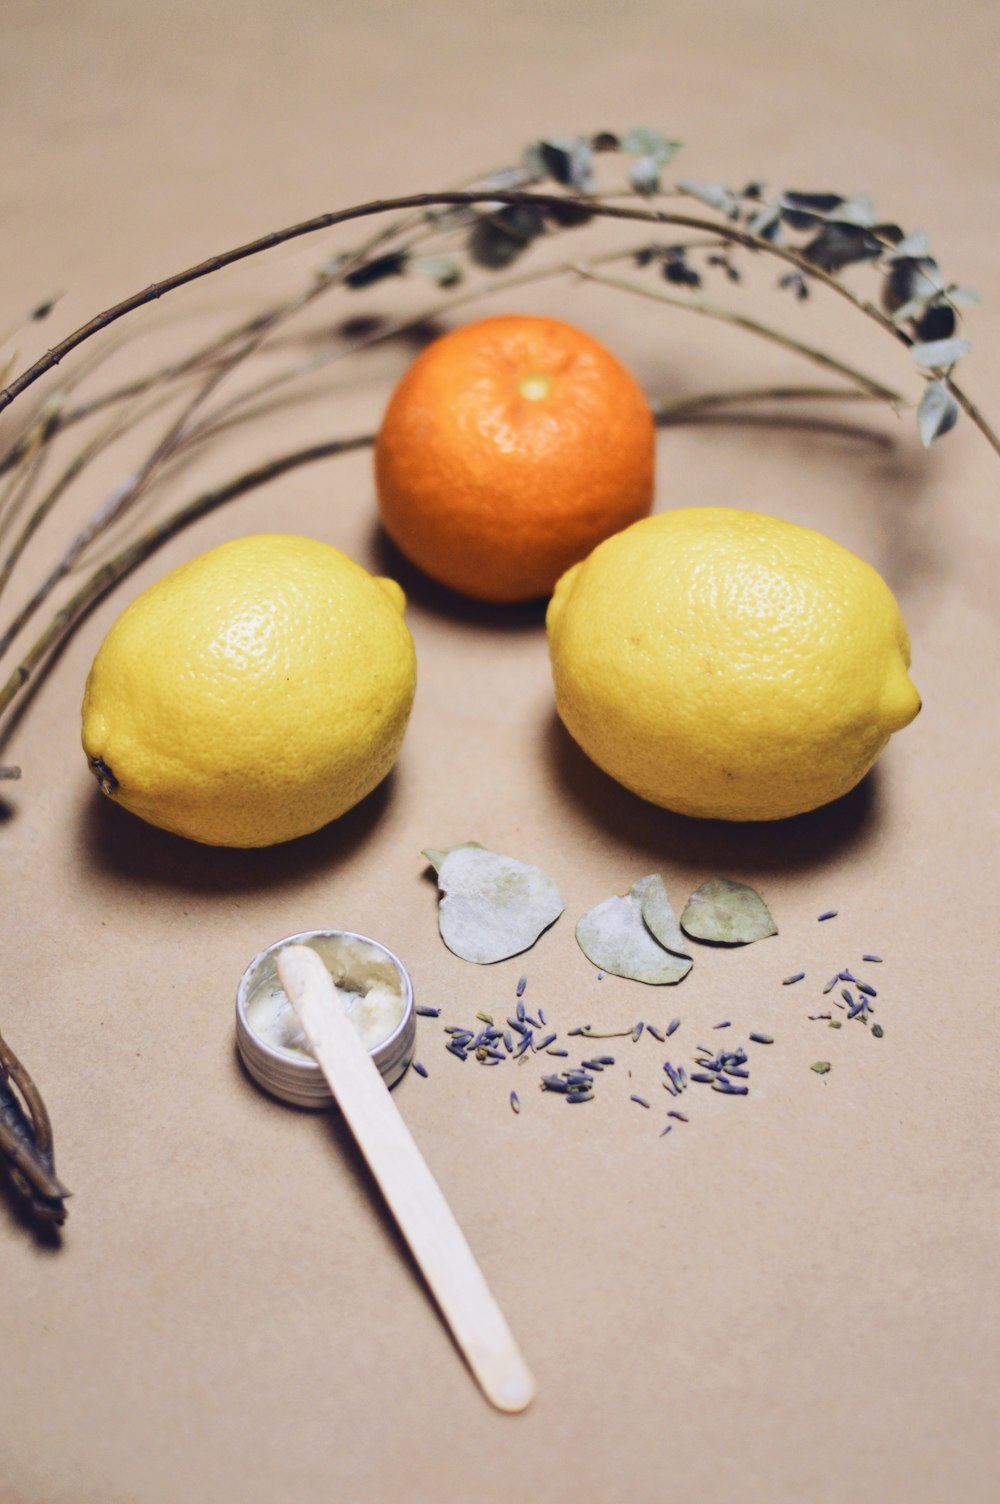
column 799, row 842
column 121, row 845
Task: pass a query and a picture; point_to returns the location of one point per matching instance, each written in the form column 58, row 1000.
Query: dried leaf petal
column 441, row 269
column 659, row 917
column 937, row 413
column 724, row 912
column 939, row 352
column 913, row 245
column 615, row 938
column 492, row 906
column 569, row 160
column 646, row 143
column 855, row 211
column 715, row 195
column 802, row 211
column 644, row 175
column 963, row 297
column 839, row 245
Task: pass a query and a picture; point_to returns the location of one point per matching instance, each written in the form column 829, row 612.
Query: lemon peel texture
column 253, row 694
column 729, row 665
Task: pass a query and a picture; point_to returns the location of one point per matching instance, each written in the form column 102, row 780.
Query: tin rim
column 297, row 1079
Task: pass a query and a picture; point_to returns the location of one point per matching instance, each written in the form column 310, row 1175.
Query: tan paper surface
column 792, row 1297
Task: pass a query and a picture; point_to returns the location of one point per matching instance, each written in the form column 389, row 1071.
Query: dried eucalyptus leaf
column 569, row 160
column 937, row 413
column 642, row 142
column 436, row 856
column 938, row 321
column 614, row 937
column 658, row 915
column 644, row 175
column 441, row 269
column 840, row 245
column 939, row 352
column 376, row 270
column 499, row 238
column 724, row 912
column 492, row 906
column 854, row 211
column 913, row 245
column 803, row 211
column 963, row 297
column 765, row 222
column 715, row 195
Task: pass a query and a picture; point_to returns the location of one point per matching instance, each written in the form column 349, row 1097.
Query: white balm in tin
column 376, row 991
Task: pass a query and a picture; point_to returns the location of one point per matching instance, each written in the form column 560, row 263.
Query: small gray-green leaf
column 820, row 1067
column 724, row 912
column 715, row 195
column 644, row 175
column 659, row 917
column 641, row 142
column 937, row 413
column 854, row 211
column 441, row 269
column 939, row 352
column 492, row 906
column 615, row 938
column 764, row 221
column 914, row 245
column 963, row 297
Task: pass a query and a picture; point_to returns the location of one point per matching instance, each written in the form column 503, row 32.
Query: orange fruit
column 508, row 451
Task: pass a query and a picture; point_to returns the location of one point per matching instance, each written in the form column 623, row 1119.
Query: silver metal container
column 354, row 960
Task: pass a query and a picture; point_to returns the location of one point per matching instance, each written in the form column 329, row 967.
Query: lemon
column 253, row 694
column 729, row 665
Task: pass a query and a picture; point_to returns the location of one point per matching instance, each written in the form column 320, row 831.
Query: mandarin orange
column 509, row 450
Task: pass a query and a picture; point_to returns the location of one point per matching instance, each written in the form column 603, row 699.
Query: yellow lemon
column 253, row 694
column 729, row 665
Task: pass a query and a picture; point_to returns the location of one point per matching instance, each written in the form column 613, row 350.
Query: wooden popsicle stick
column 411, row 1192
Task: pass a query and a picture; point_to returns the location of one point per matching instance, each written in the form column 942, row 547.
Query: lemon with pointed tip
column 253, row 694
column 729, row 665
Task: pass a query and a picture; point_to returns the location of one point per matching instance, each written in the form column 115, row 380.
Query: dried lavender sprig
column 827, row 914
column 421, row 1070
column 515, row 1101
column 729, row 1089
column 656, row 1033
column 522, row 982
column 872, row 958
column 673, row 1113
column 762, row 1038
column 641, row 1100
column 425, row 1012
column 867, row 989
column 796, row 977
column 673, row 1026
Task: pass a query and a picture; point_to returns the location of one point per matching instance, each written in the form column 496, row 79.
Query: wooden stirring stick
column 413, row 1195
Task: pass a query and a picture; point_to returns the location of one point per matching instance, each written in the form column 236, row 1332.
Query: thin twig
column 741, row 320
column 551, row 201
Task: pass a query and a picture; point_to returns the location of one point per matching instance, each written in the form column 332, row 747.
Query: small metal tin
column 352, row 959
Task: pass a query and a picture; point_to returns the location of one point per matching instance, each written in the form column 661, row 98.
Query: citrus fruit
column 729, row 665
column 509, row 449
column 253, row 694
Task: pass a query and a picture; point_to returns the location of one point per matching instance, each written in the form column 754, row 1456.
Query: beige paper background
column 794, row 1296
